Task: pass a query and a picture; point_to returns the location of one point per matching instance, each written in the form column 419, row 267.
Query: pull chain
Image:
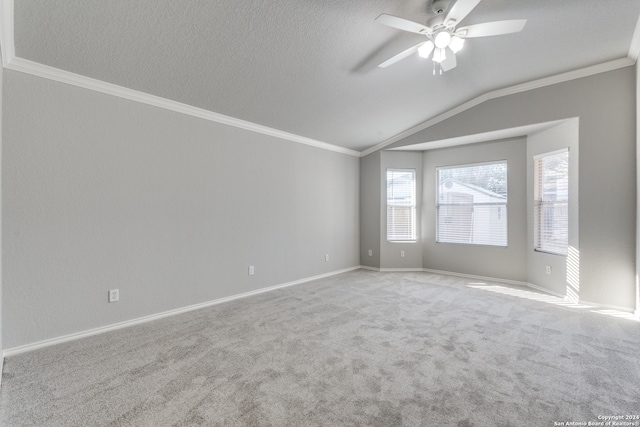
column 439, row 68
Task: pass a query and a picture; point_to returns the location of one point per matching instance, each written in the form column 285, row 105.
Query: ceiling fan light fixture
column 425, row 50
column 456, row 44
column 442, row 35
column 439, row 55
column 442, row 39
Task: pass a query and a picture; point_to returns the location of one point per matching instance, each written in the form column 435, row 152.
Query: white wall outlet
column 370, row 252
column 402, row 254
column 548, row 269
column 114, row 295
column 326, row 258
column 252, row 270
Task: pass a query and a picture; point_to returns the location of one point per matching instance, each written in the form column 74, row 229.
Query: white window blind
column 551, row 204
column 471, row 204
column 401, row 204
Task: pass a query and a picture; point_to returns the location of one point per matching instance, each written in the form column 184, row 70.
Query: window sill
column 550, row 253
column 474, row 245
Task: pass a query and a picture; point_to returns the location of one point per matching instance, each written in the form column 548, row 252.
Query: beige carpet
column 358, row 349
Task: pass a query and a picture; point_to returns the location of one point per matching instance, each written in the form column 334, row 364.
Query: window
column 471, row 204
column 551, row 204
column 401, row 204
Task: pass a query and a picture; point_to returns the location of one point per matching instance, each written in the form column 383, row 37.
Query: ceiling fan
column 443, row 38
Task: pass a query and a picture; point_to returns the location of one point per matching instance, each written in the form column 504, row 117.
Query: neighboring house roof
column 473, row 188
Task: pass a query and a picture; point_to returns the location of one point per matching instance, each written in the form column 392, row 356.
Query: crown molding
column 12, row 62
column 55, row 74
column 512, row 90
column 634, row 48
column 6, row 31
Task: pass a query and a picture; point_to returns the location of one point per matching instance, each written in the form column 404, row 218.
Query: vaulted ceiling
column 309, row 67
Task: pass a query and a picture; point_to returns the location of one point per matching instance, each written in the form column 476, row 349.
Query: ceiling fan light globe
column 456, row 44
column 442, row 39
column 425, row 50
column 439, row 55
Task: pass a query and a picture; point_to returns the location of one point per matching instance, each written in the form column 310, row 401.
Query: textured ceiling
column 308, row 67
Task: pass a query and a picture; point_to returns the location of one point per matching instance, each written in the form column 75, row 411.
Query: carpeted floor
column 358, row 349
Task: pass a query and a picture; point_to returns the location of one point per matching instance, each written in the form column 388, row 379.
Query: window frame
column 412, row 207
column 439, row 204
column 539, row 205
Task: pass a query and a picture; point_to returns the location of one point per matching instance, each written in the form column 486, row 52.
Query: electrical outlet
column 326, row 258
column 402, row 254
column 252, row 270
column 114, row 295
column 370, row 252
column 548, row 269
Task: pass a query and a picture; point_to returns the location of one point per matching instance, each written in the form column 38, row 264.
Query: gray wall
column 373, row 212
column 1, row 196
column 390, row 251
column 102, row 193
column 637, row 312
column 370, row 219
column 606, row 107
column 564, row 277
column 489, row 261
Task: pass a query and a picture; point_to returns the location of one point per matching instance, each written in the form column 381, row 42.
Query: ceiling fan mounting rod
column 439, row 6
column 436, row 22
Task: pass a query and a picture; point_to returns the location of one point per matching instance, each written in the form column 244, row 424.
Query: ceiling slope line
column 55, row 74
column 634, row 48
column 499, row 93
column 6, row 30
column 11, row 62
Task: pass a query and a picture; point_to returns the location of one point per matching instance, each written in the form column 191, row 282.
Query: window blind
column 551, row 204
column 401, row 204
column 471, row 204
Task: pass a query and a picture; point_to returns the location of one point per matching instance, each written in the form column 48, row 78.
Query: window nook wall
column 479, row 260
column 637, row 278
column 606, row 106
column 370, row 212
column 1, row 196
column 386, row 255
column 565, row 271
column 390, row 252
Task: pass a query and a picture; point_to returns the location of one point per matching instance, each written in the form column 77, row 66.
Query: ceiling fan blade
column 495, row 28
column 403, row 24
column 449, row 62
column 460, row 10
column 401, row 55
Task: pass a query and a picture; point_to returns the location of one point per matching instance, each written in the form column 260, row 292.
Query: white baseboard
column 583, row 302
column 545, row 290
column 390, row 270
column 83, row 334
column 472, row 276
column 538, row 288
column 115, row 326
column 610, row 307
